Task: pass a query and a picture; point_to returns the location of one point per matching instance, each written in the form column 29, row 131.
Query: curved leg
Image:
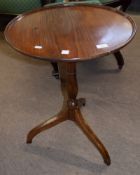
column 46, row 125
column 55, row 71
column 70, row 110
column 91, row 136
column 119, row 59
column 70, row 91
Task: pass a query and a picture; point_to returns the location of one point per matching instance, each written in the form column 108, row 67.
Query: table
column 121, row 4
column 67, row 35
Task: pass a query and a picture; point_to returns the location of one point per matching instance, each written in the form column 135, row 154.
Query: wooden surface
column 70, row 110
column 83, row 32
column 70, row 33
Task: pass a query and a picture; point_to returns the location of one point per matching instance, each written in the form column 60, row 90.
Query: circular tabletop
column 70, row 33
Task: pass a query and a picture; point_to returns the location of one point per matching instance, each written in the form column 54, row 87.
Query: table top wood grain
column 70, row 33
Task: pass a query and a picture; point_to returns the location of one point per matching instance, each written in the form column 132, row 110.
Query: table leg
column 70, row 90
column 119, row 59
column 91, row 136
column 46, row 125
column 70, row 110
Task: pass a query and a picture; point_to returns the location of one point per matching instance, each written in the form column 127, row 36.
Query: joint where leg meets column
column 76, row 103
column 72, row 103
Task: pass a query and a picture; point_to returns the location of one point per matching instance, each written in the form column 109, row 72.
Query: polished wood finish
column 123, row 4
column 79, row 29
column 67, row 35
column 70, row 110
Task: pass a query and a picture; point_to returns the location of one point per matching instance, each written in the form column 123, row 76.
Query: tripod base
column 70, row 110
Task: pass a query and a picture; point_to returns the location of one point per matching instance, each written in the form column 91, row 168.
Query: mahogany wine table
column 68, row 34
